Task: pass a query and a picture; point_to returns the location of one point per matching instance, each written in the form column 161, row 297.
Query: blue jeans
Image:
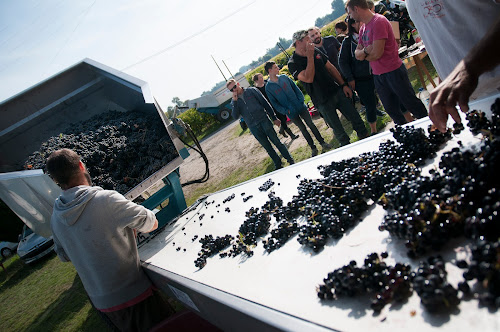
column 265, row 134
column 394, row 88
column 304, row 115
column 344, row 104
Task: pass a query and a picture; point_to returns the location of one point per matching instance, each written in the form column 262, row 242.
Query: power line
column 70, row 35
column 283, row 25
column 189, row 37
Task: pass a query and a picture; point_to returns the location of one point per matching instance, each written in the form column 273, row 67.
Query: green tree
column 196, row 120
column 177, row 101
column 338, row 7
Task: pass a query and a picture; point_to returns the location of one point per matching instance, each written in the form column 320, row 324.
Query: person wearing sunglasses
column 251, row 105
column 325, row 85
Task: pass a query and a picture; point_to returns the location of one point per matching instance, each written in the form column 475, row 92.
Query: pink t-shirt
column 380, row 28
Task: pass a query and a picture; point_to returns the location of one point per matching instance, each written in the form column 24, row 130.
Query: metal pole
column 219, row 68
column 227, row 69
column 283, row 50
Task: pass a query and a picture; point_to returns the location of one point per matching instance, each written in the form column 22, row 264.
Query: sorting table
column 415, row 53
column 277, row 291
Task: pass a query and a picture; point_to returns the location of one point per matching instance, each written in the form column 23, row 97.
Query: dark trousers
column 366, row 92
column 265, row 134
column 394, row 88
column 299, row 120
column 284, row 126
column 140, row 317
column 344, row 104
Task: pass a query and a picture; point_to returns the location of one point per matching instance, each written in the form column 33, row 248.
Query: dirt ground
column 226, row 152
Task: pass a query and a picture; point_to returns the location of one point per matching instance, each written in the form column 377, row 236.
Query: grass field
column 45, row 296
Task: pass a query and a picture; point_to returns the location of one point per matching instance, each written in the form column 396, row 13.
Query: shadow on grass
column 64, row 308
column 16, row 271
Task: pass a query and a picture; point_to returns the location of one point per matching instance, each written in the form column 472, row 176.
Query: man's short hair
column 341, row 25
column 371, row 4
column 356, row 3
column 269, row 65
column 299, row 35
column 62, row 165
column 229, row 81
column 255, row 77
column 313, row 28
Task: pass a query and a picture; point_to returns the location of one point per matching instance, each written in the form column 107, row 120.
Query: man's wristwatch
column 365, row 52
column 344, row 84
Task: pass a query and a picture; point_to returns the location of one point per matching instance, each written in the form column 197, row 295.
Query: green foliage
column 329, row 29
column 338, row 7
column 197, row 120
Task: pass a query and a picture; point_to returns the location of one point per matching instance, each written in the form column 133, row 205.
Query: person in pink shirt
column 378, row 46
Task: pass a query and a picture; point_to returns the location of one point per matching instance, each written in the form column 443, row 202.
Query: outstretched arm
column 462, row 81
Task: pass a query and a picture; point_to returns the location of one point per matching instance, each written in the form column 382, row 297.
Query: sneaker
column 326, row 146
column 294, row 137
column 314, row 152
column 373, row 134
column 380, row 113
column 291, row 162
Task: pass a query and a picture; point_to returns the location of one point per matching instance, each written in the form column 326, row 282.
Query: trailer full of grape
column 119, row 149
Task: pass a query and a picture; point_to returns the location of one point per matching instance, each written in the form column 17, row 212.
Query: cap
column 299, row 35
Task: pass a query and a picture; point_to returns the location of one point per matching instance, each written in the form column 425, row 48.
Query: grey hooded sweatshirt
column 93, row 228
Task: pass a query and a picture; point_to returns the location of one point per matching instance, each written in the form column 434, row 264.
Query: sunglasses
column 234, row 87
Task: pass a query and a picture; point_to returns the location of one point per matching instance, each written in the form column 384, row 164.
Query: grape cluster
column 228, row 199
column 431, row 285
column 280, row 235
column 256, row 225
column 266, row 185
column 484, row 267
column 119, row 149
column 385, row 282
column 461, row 198
column 210, row 247
column 479, row 122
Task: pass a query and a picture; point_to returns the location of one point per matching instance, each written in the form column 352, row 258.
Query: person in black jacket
column 328, row 45
column 358, row 74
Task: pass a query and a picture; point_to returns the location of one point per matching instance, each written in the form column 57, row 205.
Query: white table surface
column 286, row 279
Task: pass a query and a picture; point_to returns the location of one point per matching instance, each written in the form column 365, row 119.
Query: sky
column 168, row 44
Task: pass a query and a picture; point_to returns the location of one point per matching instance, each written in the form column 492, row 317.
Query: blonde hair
column 231, row 80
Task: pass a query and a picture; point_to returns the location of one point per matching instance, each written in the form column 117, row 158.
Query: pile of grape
column 119, row 149
column 385, row 282
column 458, row 199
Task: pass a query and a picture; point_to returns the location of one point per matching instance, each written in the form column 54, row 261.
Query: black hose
column 198, row 149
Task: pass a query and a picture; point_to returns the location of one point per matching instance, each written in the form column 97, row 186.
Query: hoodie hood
column 72, row 202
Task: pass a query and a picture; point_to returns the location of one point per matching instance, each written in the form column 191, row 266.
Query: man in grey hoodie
column 95, row 230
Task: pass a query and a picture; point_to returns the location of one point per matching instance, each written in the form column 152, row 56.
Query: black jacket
column 350, row 67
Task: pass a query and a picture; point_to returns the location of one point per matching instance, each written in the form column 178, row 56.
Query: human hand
column 310, row 49
column 455, row 89
column 352, row 84
column 235, row 95
column 277, row 122
column 347, row 91
column 369, row 48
